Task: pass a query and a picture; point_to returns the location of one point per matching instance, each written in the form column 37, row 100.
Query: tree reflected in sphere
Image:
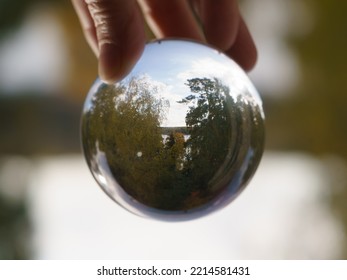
column 179, row 137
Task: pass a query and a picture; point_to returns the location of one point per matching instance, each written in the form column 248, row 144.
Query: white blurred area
column 283, row 214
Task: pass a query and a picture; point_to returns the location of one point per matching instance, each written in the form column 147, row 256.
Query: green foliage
column 14, row 231
column 125, row 122
column 165, row 168
column 208, row 121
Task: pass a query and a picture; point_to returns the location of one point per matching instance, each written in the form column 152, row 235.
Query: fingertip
column 221, row 22
column 122, row 45
column 109, row 63
column 250, row 59
column 244, row 51
column 245, row 56
column 115, row 31
column 172, row 18
column 115, row 64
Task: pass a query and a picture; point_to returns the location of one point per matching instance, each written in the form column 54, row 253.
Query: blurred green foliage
column 316, row 115
column 314, row 119
column 12, row 12
column 31, row 123
column 14, row 230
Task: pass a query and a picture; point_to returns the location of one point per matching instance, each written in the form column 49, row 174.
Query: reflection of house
column 167, row 131
column 181, row 129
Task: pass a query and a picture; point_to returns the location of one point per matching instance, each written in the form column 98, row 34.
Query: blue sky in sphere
column 168, row 65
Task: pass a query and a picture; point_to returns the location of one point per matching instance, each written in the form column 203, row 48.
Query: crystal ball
column 179, row 137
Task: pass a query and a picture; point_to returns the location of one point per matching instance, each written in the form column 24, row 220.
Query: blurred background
column 294, row 208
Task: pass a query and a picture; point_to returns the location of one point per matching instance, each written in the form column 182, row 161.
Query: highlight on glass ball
column 179, row 137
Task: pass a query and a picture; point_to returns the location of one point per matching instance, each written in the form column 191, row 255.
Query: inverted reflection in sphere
column 179, row 137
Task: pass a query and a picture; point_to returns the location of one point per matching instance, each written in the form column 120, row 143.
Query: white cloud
column 205, row 67
column 224, row 69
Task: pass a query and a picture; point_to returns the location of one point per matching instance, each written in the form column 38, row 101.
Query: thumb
column 115, row 30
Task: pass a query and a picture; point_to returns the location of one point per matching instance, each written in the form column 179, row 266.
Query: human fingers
column 225, row 28
column 220, row 21
column 222, row 25
column 243, row 51
column 114, row 30
column 172, row 18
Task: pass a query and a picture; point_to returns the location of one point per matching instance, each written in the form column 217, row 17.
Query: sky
column 167, row 65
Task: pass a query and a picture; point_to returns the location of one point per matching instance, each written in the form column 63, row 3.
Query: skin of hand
column 115, row 31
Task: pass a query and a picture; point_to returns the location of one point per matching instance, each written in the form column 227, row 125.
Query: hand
column 115, row 29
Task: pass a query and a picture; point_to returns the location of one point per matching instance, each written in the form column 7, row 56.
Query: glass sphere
column 179, row 137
